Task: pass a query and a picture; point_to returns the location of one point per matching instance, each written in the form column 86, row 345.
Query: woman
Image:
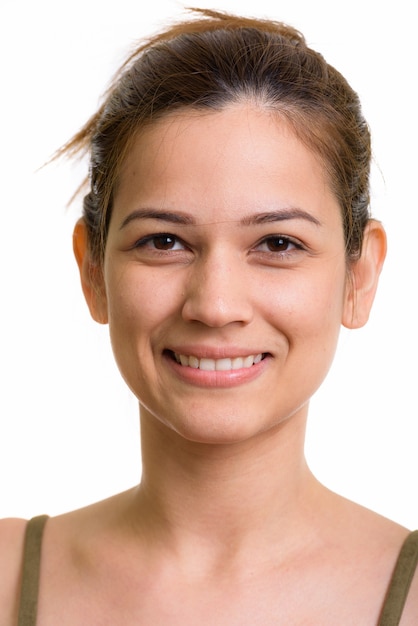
column 225, row 238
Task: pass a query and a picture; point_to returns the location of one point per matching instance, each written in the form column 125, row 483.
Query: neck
column 230, row 494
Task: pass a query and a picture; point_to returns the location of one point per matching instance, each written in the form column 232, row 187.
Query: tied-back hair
column 207, row 63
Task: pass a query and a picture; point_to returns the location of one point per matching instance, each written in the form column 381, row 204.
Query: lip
column 216, row 378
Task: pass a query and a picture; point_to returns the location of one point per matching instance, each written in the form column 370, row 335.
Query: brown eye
column 277, row 244
column 164, row 242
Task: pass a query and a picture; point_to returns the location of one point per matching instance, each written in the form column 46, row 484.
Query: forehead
column 236, row 160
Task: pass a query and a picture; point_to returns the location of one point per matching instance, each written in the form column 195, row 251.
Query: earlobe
column 364, row 276
column 90, row 274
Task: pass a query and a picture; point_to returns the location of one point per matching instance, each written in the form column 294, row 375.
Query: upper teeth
column 236, row 363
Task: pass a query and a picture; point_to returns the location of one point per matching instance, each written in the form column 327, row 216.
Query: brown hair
column 207, row 63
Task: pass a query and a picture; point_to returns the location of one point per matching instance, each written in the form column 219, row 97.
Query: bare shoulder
column 12, row 535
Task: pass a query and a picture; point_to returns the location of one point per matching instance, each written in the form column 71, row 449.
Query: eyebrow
column 279, row 216
column 186, row 219
column 155, row 214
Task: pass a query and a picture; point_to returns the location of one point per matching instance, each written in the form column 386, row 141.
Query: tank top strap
column 31, row 568
column 401, row 581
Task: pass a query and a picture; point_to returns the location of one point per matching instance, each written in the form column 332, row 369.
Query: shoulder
column 12, row 536
column 410, row 613
column 386, row 543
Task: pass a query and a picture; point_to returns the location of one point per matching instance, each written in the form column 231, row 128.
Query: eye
column 160, row 241
column 278, row 243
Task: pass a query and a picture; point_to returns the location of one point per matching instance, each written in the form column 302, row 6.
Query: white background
column 68, row 426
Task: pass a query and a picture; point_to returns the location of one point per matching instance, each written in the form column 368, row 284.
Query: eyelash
column 284, row 241
column 142, row 243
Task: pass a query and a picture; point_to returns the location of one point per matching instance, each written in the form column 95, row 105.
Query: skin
column 220, row 291
column 228, row 525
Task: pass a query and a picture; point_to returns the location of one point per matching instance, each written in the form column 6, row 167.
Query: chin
column 210, row 429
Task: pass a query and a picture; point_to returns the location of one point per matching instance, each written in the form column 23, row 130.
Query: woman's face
column 224, row 272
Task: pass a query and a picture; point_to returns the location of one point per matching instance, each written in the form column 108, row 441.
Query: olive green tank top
column 391, row 613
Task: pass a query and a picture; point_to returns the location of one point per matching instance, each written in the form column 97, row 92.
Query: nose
column 217, row 292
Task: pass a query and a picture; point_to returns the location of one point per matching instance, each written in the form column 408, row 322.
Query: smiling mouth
column 219, row 365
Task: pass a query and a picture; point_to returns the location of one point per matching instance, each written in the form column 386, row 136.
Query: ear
column 91, row 274
column 364, row 276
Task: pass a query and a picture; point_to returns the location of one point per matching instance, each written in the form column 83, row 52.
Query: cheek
column 309, row 306
column 138, row 306
column 322, row 318
column 139, row 301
